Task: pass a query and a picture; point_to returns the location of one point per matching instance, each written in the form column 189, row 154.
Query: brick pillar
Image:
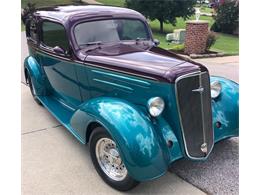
column 196, row 37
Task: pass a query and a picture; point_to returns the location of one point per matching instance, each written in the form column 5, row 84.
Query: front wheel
column 107, row 161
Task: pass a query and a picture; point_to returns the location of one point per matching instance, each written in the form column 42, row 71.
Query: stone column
column 196, row 37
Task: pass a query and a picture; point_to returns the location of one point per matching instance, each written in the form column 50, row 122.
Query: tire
column 32, row 89
column 123, row 181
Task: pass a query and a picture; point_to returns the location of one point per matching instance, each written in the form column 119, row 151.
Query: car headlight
column 155, row 106
column 215, row 89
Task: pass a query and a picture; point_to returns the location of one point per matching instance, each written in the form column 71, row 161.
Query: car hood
column 155, row 63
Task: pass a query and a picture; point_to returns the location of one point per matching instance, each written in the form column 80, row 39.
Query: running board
column 61, row 112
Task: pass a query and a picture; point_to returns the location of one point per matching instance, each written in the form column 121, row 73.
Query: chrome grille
column 194, row 106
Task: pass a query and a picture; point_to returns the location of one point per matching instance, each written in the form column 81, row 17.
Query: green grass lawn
column 205, row 9
column 119, row 3
column 22, row 27
column 41, row 3
column 229, row 44
column 168, row 28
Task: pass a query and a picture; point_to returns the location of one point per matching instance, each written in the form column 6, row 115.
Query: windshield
column 106, row 31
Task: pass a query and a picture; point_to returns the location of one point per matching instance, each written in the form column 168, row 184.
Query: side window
column 54, row 34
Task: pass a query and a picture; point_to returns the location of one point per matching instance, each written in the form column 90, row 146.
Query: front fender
column 225, row 109
column 131, row 129
column 34, row 70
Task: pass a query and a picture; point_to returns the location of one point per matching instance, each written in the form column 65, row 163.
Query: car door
column 59, row 69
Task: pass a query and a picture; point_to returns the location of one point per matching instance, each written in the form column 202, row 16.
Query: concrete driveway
column 54, row 162
column 227, row 67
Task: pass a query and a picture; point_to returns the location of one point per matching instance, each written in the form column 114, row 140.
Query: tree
column 163, row 10
column 227, row 17
column 27, row 11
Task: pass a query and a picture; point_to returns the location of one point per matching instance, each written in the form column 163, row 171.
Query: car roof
column 70, row 13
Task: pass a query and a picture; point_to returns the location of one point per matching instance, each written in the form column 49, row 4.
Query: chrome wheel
column 109, row 159
column 108, row 162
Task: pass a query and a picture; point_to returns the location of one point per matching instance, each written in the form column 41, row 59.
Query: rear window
column 53, row 34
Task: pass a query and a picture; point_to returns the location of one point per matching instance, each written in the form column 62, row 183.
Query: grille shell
column 195, row 113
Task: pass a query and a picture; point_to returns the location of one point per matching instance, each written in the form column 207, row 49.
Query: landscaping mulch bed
column 208, row 54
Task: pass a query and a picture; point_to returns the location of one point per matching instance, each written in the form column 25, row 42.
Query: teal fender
column 141, row 147
column 225, row 110
column 32, row 68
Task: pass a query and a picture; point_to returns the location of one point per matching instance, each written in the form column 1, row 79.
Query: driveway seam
column 232, row 62
column 185, row 179
column 44, row 129
column 24, row 83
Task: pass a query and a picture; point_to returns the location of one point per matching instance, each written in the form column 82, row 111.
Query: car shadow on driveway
column 219, row 174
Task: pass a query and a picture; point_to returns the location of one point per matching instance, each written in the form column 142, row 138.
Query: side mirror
column 59, row 50
column 156, row 42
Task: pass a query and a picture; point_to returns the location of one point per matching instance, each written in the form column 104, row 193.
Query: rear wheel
column 33, row 92
column 107, row 161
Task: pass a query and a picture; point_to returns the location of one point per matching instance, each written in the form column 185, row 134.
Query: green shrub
column 227, row 17
column 211, row 40
column 179, row 48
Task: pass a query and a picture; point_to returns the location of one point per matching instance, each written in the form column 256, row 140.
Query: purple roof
column 71, row 13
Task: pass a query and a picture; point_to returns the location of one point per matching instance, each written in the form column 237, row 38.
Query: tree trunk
column 161, row 26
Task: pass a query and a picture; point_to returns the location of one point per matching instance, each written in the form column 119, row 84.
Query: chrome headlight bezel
column 215, row 89
column 155, row 106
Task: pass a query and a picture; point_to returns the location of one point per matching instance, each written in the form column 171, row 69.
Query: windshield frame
column 146, row 26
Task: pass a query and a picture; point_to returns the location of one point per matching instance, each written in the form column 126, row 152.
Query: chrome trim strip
column 177, row 103
column 64, row 104
column 114, row 84
column 140, row 82
column 202, row 108
column 213, row 137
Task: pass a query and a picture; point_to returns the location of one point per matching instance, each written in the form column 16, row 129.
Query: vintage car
column 99, row 71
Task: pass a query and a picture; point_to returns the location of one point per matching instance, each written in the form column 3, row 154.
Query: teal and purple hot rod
column 99, row 71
